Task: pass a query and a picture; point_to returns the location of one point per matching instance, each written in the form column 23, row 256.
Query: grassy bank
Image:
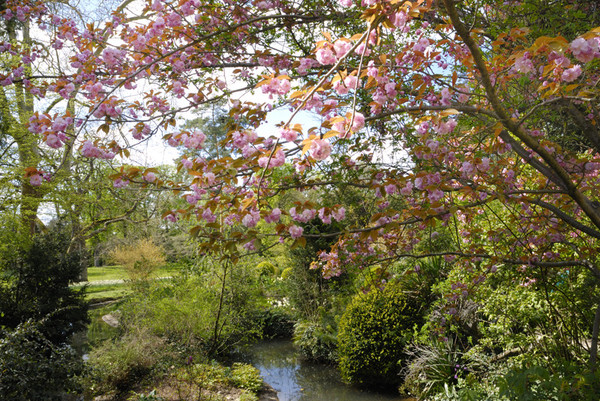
column 111, row 282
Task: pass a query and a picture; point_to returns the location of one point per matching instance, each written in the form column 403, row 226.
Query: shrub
column 35, row 285
column 286, row 273
column 536, row 382
column 373, row 334
column 124, row 362
column 33, row 368
column 266, row 269
column 140, row 259
column 316, row 340
column 276, row 323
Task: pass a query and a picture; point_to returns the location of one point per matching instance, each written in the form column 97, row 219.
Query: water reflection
column 298, row 380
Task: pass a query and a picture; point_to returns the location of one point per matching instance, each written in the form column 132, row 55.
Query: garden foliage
column 34, row 368
column 35, row 285
column 471, row 122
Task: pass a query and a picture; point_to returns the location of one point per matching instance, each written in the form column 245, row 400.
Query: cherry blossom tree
column 484, row 126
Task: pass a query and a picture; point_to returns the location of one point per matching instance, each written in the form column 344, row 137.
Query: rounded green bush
column 266, row 269
column 286, row 273
column 373, row 333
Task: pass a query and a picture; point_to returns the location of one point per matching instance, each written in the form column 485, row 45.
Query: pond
column 295, row 379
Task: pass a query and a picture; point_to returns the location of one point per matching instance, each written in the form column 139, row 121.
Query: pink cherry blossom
column 419, row 183
column 250, row 245
column 210, row 178
column 150, row 177
column 56, row 140
column 362, row 49
column 467, row 169
column 399, row 19
column 339, row 214
column 139, row 134
column 251, row 219
column 584, row 50
column 157, row 5
column 342, row 47
column 172, row 217
column 390, row 189
column 195, row 140
column 351, row 81
column 423, row 128
column 407, row 189
column 571, row 74
column 120, row 182
column 320, row 149
column 436, row 195
column 274, row 216
column 304, row 217
column 558, row 59
column 35, row 180
column 187, row 163
column 325, row 56
column 248, row 151
column 192, row 199
column 523, row 64
column 296, row 231
column 421, row 45
column 359, row 122
column 339, row 124
column 305, row 64
column 445, row 127
column 341, row 88
column 289, row 135
column 326, row 218
column 277, row 160
column 209, row 216
column 446, row 97
column 276, row 86
column 88, row 149
column 112, row 57
column 485, row 164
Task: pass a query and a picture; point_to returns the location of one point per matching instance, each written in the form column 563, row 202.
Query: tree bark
column 594, row 347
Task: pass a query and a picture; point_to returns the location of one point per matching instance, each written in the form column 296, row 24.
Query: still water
column 298, row 380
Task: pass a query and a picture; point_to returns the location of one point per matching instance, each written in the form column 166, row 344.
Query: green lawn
column 119, row 273
column 106, row 291
column 98, row 292
column 106, row 273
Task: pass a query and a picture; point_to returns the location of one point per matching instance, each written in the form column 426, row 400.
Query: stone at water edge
column 110, row 320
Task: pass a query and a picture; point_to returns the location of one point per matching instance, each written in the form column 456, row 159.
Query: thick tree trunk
column 29, row 205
